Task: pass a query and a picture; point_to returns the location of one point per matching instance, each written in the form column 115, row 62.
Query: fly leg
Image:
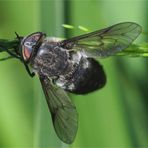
column 32, row 74
column 6, row 58
column 13, row 54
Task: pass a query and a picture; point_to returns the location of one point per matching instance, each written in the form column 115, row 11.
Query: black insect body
column 68, row 69
column 70, row 65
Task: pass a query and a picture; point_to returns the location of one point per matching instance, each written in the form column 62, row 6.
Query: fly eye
column 27, row 49
column 29, row 43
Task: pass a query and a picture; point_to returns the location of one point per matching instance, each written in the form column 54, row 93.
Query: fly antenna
column 18, row 36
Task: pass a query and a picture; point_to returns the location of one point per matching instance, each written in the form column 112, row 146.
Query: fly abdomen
column 87, row 77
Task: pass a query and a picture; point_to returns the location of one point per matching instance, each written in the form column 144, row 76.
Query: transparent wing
column 63, row 111
column 105, row 42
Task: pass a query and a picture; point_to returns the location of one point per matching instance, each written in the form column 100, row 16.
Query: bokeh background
column 115, row 116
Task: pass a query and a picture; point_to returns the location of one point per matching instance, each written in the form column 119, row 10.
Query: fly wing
column 63, row 111
column 105, row 42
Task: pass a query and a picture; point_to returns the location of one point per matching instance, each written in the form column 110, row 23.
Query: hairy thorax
column 53, row 61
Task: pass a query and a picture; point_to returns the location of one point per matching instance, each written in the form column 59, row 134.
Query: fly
column 70, row 66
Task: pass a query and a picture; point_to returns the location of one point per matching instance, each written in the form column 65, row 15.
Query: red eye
column 29, row 43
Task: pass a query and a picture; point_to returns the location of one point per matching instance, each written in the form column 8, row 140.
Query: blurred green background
column 115, row 116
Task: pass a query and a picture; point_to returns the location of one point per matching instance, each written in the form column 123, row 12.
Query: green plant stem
column 132, row 51
column 135, row 51
column 9, row 44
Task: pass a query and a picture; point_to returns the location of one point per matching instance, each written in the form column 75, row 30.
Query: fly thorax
column 51, row 60
column 74, row 61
